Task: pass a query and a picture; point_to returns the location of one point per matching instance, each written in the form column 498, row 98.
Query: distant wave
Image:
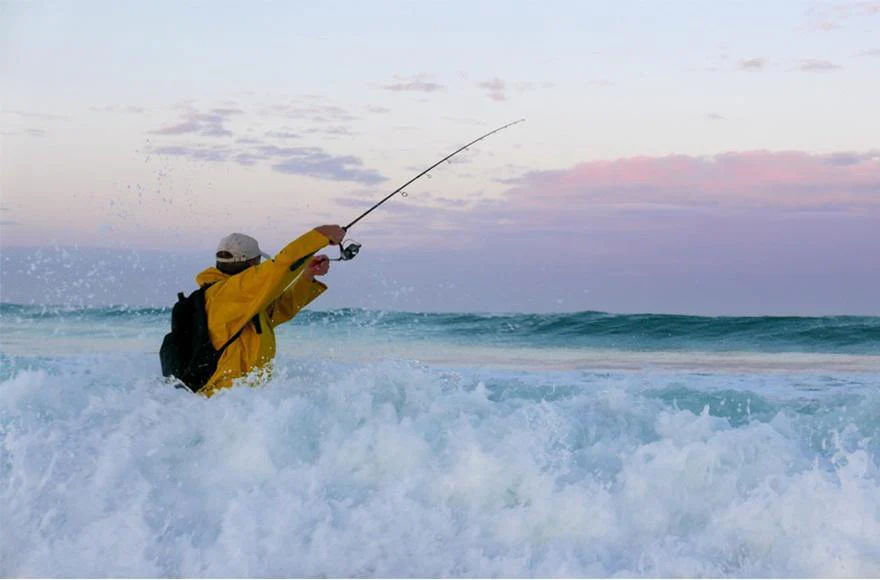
column 844, row 334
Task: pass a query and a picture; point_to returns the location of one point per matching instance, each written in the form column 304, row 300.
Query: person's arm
column 303, row 290
column 242, row 296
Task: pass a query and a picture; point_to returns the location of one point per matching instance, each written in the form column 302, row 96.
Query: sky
column 717, row 158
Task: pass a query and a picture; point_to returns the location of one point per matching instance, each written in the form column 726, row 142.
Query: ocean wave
column 397, row 469
column 835, row 334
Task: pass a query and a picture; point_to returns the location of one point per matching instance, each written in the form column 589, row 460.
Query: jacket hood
column 210, row 276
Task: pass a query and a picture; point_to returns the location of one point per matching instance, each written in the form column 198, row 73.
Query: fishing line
column 349, row 251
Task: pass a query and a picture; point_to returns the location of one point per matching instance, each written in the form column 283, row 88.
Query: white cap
column 241, row 247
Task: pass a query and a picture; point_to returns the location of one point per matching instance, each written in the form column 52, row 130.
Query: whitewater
column 392, row 444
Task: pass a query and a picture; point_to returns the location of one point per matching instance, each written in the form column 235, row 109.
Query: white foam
column 397, row 469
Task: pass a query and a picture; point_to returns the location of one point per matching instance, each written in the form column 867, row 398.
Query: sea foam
column 399, row 468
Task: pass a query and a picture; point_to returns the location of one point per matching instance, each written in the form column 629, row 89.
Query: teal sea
column 392, row 444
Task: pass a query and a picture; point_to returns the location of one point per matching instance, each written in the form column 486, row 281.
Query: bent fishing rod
column 349, row 251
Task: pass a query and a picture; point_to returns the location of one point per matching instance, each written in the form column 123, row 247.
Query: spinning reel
column 347, row 251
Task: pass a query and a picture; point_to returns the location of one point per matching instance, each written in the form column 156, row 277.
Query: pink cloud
column 736, row 179
column 639, row 203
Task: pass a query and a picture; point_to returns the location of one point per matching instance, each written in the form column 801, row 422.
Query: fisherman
column 244, row 300
column 224, row 330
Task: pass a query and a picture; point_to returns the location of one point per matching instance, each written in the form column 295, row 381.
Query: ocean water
column 394, row 444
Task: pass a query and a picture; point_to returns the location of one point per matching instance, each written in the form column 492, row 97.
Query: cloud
column 752, row 64
column 403, row 212
column 247, row 159
column 417, row 203
column 651, row 194
column 227, row 112
column 856, row 9
column 716, row 117
column 210, row 124
column 333, row 130
column 830, row 17
column 825, row 25
column 871, row 52
column 316, row 113
column 25, row 132
column 283, row 135
column 271, row 151
column 131, row 109
column 352, row 202
column 814, row 65
column 416, row 84
column 380, row 110
column 324, row 166
column 498, row 90
column 195, row 153
column 43, row 116
column 757, row 179
column 851, row 158
column 307, row 161
column 215, row 131
column 179, row 129
column 449, row 202
column 215, row 123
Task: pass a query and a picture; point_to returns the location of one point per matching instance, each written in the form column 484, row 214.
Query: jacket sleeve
column 234, row 302
column 294, row 299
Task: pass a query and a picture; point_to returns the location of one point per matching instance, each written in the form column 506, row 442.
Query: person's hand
column 319, row 266
column 333, row 233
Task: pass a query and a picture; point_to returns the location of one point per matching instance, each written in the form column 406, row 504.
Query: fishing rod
column 348, row 252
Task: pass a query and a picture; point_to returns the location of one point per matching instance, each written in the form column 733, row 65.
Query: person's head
column 238, row 252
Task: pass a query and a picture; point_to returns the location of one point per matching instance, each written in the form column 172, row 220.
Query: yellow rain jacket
column 256, row 300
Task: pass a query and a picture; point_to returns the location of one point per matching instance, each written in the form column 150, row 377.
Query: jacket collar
column 210, row 276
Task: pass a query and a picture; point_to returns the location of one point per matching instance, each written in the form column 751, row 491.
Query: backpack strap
column 233, row 339
column 255, row 320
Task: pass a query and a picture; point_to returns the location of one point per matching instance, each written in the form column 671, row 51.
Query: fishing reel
column 347, row 252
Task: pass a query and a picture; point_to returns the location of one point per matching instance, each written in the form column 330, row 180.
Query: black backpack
column 187, row 353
